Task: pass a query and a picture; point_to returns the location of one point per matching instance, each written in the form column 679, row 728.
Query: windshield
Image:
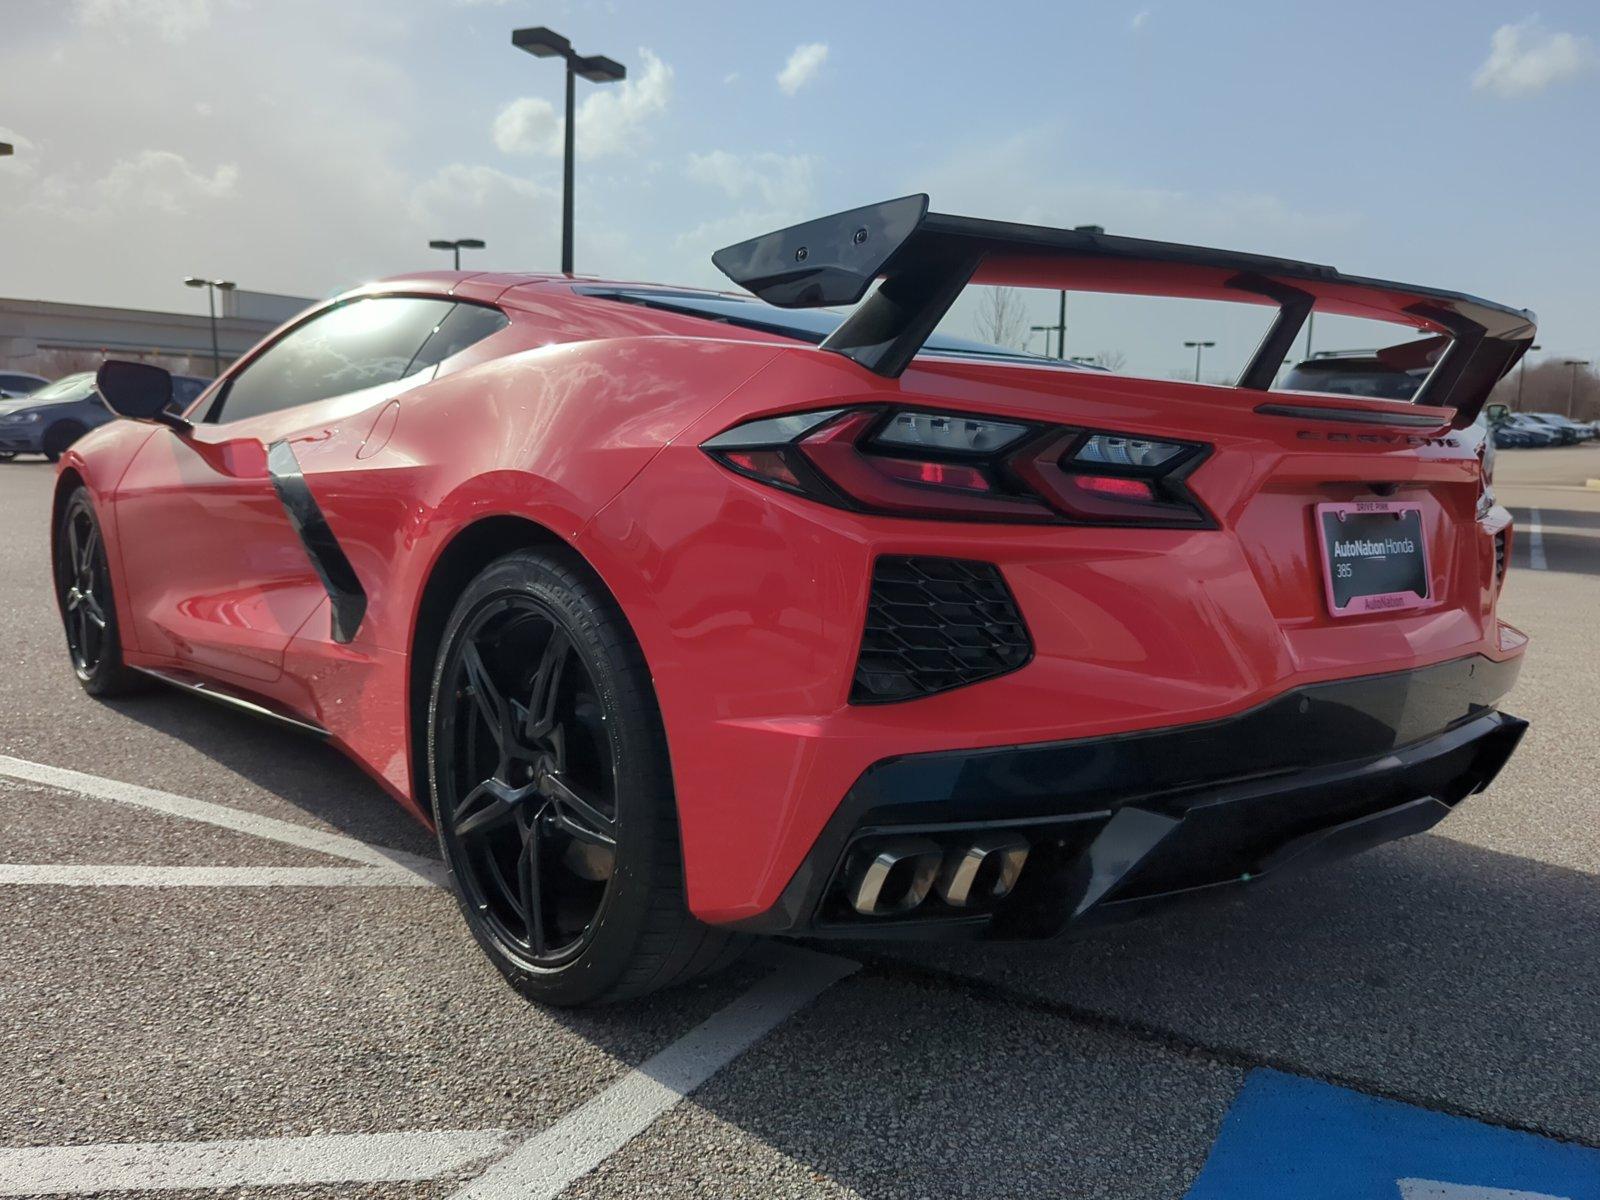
column 806, row 324
column 68, row 387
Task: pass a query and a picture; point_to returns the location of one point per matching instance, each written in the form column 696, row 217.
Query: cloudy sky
column 302, row 146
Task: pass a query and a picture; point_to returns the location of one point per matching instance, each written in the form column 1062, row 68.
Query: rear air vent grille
column 1500, row 557
column 935, row 624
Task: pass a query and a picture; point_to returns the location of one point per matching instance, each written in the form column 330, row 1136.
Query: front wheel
column 552, row 791
column 83, row 592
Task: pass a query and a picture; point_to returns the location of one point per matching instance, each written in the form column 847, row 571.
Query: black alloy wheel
column 552, row 792
column 83, row 592
column 528, row 769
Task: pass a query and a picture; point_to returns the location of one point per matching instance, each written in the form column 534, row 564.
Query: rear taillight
column 959, row 466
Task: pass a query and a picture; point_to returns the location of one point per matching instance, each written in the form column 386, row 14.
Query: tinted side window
column 358, row 345
column 466, row 324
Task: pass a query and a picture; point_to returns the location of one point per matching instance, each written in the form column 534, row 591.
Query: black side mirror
column 139, row 391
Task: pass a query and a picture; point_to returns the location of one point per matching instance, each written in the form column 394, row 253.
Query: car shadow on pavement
column 1570, row 518
column 297, row 767
column 1571, row 553
column 1439, row 973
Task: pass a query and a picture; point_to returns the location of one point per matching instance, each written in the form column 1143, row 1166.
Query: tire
column 575, row 821
column 7, row 455
column 88, row 609
column 58, row 437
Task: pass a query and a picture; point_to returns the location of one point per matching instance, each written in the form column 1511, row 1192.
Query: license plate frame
column 1403, row 575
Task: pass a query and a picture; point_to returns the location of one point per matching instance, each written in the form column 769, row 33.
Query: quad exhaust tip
column 897, row 874
column 986, row 870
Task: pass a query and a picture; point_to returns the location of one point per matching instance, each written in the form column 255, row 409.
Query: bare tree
column 1550, row 385
column 1001, row 319
column 1111, row 360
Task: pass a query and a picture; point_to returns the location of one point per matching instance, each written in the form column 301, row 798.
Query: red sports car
column 685, row 616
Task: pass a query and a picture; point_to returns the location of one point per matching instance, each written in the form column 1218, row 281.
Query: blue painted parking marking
column 1290, row 1138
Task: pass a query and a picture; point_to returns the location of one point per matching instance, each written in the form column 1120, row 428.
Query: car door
column 218, row 579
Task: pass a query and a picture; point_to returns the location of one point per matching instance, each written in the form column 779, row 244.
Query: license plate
column 1373, row 559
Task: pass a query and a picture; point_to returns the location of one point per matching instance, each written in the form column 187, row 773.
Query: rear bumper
column 1121, row 824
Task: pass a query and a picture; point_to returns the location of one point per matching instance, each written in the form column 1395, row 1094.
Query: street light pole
column 1198, row 348
column 212, row 286
column 457, row 246
column 596, row 68
column 1522, row 370
column 1572, row 385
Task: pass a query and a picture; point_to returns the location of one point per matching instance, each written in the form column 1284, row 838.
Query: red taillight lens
column 763, row 464
column 1111, row 485
column 962, row 467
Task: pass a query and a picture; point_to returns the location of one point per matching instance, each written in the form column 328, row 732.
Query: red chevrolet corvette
column 685, row 615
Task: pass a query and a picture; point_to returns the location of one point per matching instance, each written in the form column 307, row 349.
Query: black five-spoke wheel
column 85, row 616
column 83, row 589
column 528, row 781
column 552, row 791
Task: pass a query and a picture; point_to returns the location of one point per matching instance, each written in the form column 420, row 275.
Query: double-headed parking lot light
column 1198, row 348
column 212, row 286
column 457, row 246
column 596, row 68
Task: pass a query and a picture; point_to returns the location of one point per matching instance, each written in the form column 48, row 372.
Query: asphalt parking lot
column 226, row 972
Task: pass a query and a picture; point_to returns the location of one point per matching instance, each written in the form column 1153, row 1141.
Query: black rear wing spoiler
column 925, row 259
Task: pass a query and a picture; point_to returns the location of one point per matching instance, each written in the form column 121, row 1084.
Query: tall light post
column 1522, row 370
column 596, row 68
column 1572, row 385
column 212, row 286
column 1198, row 348
column 457, row 246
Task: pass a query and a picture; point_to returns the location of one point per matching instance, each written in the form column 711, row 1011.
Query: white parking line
column 543, row 1166
column 264, row 1162
column 335, row 844
column 1535, row 541
column 79, row 875
column 537, row 1169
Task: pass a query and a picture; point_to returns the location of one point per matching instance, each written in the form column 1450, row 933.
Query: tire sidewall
column 643, row 790
column 108, row 675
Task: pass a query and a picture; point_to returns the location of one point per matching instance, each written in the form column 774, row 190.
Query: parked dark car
column 52, row 418
column 1568, row 432
column 19, row 383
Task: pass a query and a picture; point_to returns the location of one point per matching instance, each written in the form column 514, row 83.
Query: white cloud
column 151, row 182
column 1526, row 58
column 775, row 180
column 173, row 20
column 528, row 125
column 802, row 66
column 609, row 120
column 1139, row 20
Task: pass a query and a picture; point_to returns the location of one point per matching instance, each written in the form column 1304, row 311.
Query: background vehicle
column 51, row 419
column 942, row 641
column 1565, row 432
column 1354, row 373
column 19, row 383
column 1535, row 433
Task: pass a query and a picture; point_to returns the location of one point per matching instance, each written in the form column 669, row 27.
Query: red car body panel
column 585, row 416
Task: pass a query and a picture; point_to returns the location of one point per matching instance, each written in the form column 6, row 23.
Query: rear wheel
column 552, row 791
column 83, row 590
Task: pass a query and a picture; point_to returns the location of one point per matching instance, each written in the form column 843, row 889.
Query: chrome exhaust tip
column 893, row 877
column 985, row 870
